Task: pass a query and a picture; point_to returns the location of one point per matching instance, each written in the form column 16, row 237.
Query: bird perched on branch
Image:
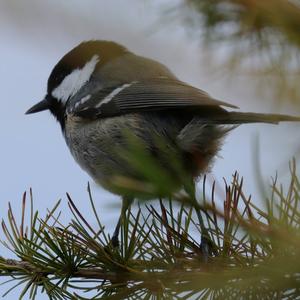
column 100, row 91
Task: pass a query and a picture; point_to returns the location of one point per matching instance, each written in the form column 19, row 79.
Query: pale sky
column 36, row 34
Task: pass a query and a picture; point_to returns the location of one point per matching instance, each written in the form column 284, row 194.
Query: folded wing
column 153, row 95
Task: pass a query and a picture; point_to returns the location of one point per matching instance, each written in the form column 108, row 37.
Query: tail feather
column 249, row 117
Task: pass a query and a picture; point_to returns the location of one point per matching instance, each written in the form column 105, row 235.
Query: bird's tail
column 249, row 117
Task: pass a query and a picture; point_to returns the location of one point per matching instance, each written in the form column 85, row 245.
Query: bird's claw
column 115, row 241
column 206, row 248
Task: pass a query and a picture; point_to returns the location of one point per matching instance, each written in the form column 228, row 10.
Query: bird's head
column 73, row 72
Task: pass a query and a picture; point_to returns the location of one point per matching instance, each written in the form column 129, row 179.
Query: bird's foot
column 115, row 241
column 207, row 248
column 112, row 245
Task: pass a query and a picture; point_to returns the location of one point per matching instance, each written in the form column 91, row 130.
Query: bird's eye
column 59, row 77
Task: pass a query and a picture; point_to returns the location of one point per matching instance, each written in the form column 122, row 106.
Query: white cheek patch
column 115, row 92
column 73, row 82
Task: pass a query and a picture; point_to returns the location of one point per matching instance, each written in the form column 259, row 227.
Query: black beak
column 43, row 105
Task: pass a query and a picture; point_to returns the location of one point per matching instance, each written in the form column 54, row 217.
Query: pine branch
column 257, row 38
column 256, row 251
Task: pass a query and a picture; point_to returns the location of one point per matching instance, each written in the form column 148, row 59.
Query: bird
column 100, row 91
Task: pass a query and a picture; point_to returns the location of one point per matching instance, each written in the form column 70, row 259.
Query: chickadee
column 100, row 90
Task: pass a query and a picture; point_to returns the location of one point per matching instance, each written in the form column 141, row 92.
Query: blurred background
column 242, row 52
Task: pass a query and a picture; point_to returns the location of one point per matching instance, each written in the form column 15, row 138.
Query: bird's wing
column 153, row 95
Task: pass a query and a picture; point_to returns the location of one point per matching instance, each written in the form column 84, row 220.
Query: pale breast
column 96, row 145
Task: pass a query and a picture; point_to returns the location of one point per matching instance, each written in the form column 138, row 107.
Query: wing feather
column 157, row 94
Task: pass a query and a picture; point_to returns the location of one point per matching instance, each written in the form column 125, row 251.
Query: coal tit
column 99, row 90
